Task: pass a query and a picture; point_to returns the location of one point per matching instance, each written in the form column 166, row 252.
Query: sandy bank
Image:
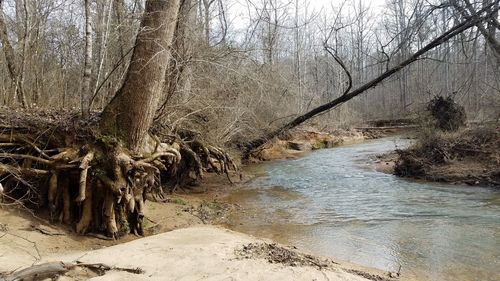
column 299, row 141
column 205, row 253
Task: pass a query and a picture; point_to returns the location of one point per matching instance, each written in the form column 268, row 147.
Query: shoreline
column 29, row 242
column 209, row 253
column 26, row 240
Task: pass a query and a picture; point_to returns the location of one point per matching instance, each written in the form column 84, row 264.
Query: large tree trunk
column 179, row 69
column 130, row 113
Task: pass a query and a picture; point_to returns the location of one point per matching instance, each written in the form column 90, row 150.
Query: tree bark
column 130, row 113
column 179, row 69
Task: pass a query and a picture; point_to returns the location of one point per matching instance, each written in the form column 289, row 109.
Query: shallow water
column 332, row 202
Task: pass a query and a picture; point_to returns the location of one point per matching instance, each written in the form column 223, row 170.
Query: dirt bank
column 302, row 140
column 471, row 156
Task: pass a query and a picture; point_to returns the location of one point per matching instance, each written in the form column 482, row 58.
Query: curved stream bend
column 332, row 202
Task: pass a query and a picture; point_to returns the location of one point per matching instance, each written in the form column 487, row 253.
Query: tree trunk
column 179, row 70
column 130, row 113
column 87, row 68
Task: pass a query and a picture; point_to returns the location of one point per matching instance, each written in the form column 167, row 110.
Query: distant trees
column 240, row 67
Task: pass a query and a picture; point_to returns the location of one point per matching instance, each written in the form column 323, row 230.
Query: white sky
column 319, row 4
column 238, row 12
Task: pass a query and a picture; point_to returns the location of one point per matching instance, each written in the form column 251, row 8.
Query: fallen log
column 49, row 270
column 53, row 270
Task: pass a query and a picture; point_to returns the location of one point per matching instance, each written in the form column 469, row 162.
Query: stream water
column 332, row 202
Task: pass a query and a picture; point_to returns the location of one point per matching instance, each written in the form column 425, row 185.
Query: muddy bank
column 305, row 139
column 471, row 156
column 27, row 238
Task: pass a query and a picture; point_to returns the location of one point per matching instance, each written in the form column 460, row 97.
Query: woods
column 149, row 92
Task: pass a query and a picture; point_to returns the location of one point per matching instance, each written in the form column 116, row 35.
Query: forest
column 105, row 104
column 132, row 95
column 235, row 63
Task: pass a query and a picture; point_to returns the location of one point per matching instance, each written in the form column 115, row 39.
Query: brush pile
column 471, row 156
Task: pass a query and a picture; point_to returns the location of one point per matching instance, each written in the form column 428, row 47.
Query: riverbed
column 333, row 202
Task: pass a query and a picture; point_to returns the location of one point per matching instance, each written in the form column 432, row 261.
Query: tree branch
column 450, row 33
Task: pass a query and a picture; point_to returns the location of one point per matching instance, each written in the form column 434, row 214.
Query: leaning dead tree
column 483, row 15
column 96, row 173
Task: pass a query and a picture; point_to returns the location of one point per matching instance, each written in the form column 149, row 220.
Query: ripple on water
column 327, row 202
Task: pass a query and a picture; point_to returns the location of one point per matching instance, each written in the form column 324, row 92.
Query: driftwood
column 52, row 270
column 38, row 272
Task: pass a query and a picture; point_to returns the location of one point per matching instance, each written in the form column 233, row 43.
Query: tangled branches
column 471, row 156
column 447, row 114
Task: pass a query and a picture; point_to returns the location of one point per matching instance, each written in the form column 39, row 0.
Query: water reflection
column 333, row 203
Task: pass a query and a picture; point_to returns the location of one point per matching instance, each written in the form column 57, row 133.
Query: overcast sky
column 238, row 12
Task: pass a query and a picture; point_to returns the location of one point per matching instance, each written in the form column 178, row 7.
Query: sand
column 196, row 253
column 179, row 246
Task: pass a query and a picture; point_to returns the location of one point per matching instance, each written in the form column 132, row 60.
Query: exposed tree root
column 95, row 184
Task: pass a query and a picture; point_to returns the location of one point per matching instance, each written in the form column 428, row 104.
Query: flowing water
column 332, row 202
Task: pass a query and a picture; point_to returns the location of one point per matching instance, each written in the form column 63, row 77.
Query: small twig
column 100, row 236
column 102, row 268
column 46, row 232
column 25, row 156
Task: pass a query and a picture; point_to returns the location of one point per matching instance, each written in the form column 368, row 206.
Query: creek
column 333, row 202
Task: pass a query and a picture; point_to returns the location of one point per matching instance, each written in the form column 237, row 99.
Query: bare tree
column 87, row 67
column 450, row 33
column 15, row 71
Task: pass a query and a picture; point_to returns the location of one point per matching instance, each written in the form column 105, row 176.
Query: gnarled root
column 86, row 216
column 103, row 187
